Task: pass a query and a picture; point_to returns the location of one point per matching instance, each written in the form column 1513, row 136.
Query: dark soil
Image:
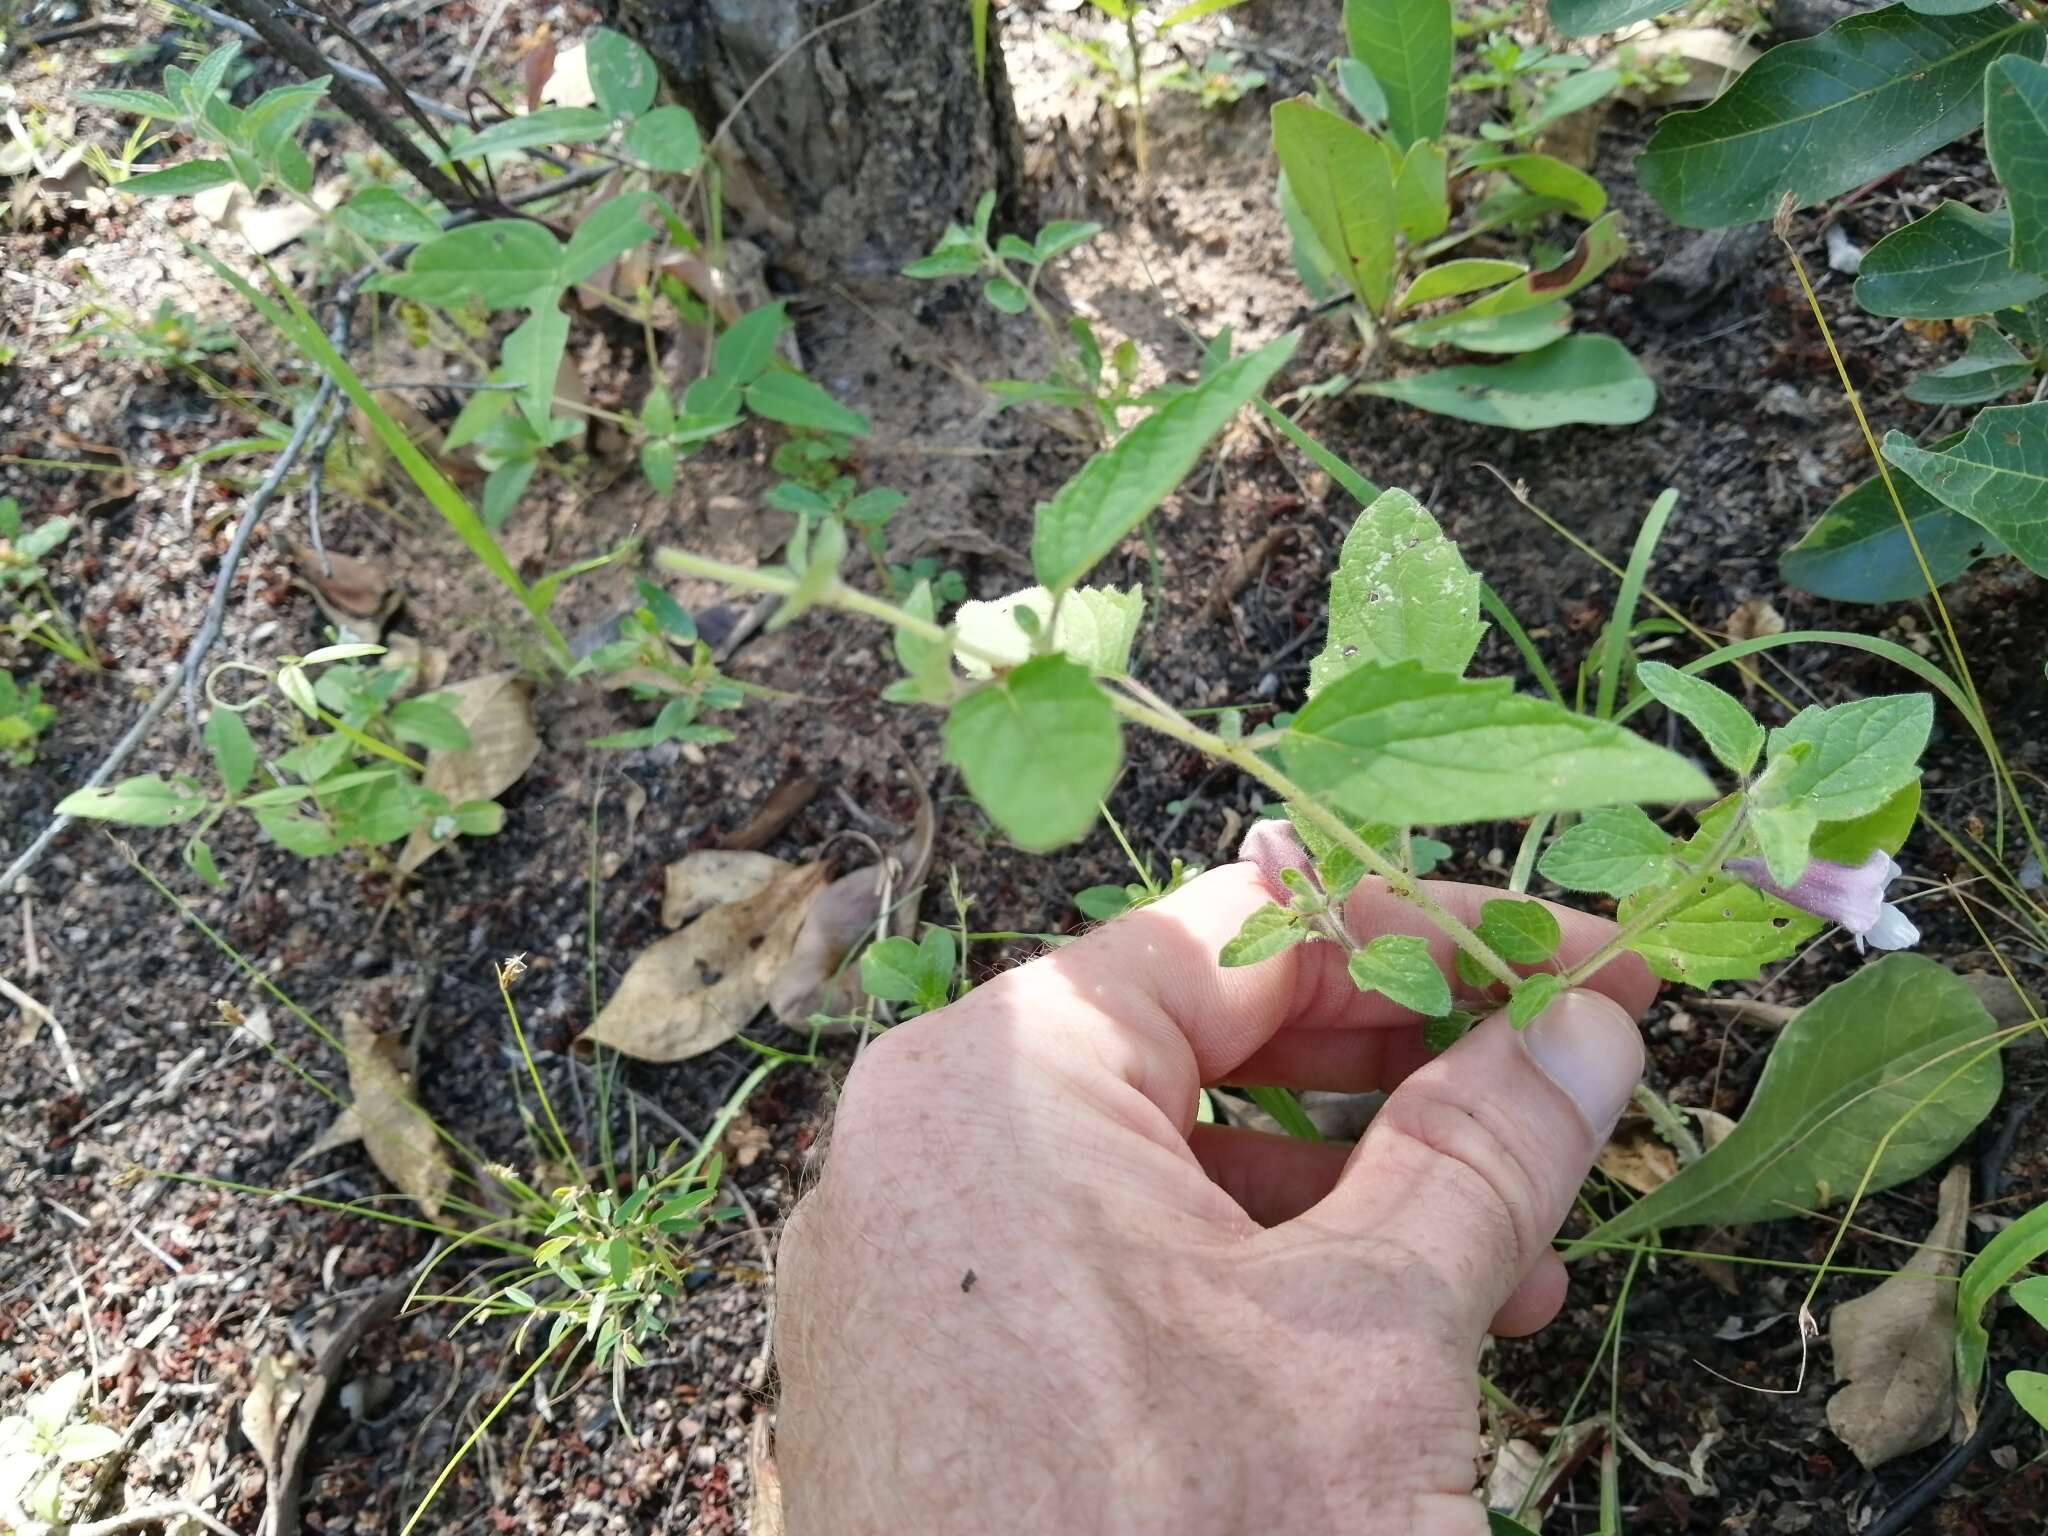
column 174, row 1291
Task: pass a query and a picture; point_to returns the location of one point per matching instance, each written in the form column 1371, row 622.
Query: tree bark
column 852, row 155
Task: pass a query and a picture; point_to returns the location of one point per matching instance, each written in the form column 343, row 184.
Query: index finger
column 1176, row 1019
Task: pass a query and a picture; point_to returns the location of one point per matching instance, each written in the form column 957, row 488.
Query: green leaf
column 748, row 345
column 234, row 752
column 2016, row 136
column 621, row 74
column 1062, row 235
column 1616, row 851
column 500, row 263
column 386, row 217
column 1989, row 368
column 1581, row 379
column 274, row 118
column 889, row 970
column 1840, row 1097
column 1599, row 246
column 1114, row 491
column 1887, row 827
column 1265, row 934
column 1579, row 194
column 658, row 464
column 604, row 234
column 479, row 818
column 1342, row 181
column 77, row 1443
column 1006, row 295
column 1399, row 967
column 2003, row 1257
column 947, row 261
column 143, row 801
column 1362, row 91
column 1588, row 18
column 211, row 73
column 1093, row 627
column 1531, row 996
column 532, row 357
column 1103, row 902
column 1996, row 476
column 549, row 125
column 503, row 487
column 180, row 180
column 1574, row 93
column 1401, row 592
column 666, row 139
column 795, row 401
column 2030, row 1391
column 1784, row 833
column 1467, row 274
column 143, row 103
column 1522, row 931
column 1498, row 1524
column 429, row 723
column 1824, row 115
column 1039, row 750
column 1859, row 553
column 1521, row 330
column 1408, row 746
column 1954, row 262
column 199, row 859
column 1194, row 9
column 1730, row 732
column 1407, row 46
column 1860, row 754
column 1016, row 248
column 2032, row 1296
column 1422, row 206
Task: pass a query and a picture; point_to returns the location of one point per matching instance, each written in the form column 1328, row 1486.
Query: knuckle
column 1465, row 1161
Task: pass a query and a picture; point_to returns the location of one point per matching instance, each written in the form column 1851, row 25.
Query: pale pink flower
column 1849, row 894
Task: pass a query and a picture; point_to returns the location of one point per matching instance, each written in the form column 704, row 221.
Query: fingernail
column 1587, row 1045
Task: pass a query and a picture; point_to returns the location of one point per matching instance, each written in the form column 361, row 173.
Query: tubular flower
column 1849, row 894
column 1273, row 846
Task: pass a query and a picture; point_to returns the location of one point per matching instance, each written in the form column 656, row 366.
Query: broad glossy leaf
column 1413, row 747
column 1954, row 262
column 1848, row 1072
column 2000, row 1261
column 1599, row 246
column 1522, row 329
column 1115, row 490
column 1616, row 851
column 1582, row 379
column 387, row 216
column 1728, row 729
column 1467, row 274
column 501, row 264
column 1821, row 116
column 2016, row 136
column 1399, row 967
column 2030, row 1390
column 1407, row 46
column 666, row 139
column 1858, row 551
column 796, row 401
column 143, row 801
column 1362, row 91
column 1588, row 18
column 1039, row 750
column 1857, row 755
column 1343, row 182
column 1401, row 592
column 1997, row 476
column 234, row 752
column 180, row 180
column 621, row 74
column 1422, row 206
column 550, row 125
column 1989, row 368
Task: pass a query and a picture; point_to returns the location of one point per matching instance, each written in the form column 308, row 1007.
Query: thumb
column 1473, row 1162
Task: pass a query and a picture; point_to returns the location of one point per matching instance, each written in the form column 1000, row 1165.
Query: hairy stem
column 1662, row 907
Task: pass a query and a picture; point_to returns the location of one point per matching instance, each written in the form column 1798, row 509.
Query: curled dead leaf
column 698, row 988
column 356, row 595
column 497, row 711
column 1636, row 1158
column 715, row 877
column 1895, row 1346
column 400, row 1136
column 275, row 1387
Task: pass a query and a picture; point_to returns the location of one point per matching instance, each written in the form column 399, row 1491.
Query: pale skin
column 1030, row 1294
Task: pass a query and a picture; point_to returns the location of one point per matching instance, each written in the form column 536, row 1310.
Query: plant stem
column 1163, row 720
column 1678, row 892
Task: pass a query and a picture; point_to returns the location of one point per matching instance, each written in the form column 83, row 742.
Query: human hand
column 1031, row 1294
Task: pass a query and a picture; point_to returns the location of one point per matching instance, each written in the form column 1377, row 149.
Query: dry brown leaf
column 274, row 1390
column 1896, row 1345
column 697, row 989
column 1636, row 1158
column 569, row 83
column 616, row 854
column 345, row 1128
column 400, row 1137
column 1754, row 619
column 1712, row 59
column 746, row 1141
column 715, row 877
column 764, row 1508
column 502, row 746
column 356, row 595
